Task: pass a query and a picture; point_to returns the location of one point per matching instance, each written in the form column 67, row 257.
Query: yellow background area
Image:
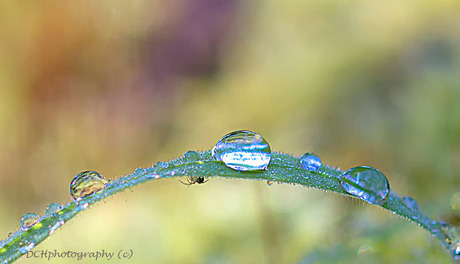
column 112, row 86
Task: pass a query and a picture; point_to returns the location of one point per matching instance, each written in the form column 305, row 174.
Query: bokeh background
column 115, row 85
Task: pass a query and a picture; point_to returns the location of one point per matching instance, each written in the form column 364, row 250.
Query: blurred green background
column 115, row 85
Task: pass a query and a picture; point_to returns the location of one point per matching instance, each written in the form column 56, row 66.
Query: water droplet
column 456, row 251
column 160, row 165
column 10, row 234
column 243, row 151
column 27, row 248
column 53, row 208
column 86, row 183
column 82, row 206
column 191, row 156
column 367, row 183
column 269, row 183
column 152, row 176
column 55, row 226
column 29, row 220
column 310, row 161
column 410, row 202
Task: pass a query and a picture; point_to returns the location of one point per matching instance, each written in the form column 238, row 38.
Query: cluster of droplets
column 29, row 220
column 244, row 150
column 248, row 151
column 240, row 150
column 84, row 184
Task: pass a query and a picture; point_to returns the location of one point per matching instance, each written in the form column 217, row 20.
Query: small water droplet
column 86, row 183
column 81, row 207
column 160, row 165
column 456, row 251
column 10, row 234
column 367, row 183
column 310, row 161
column 27, row 248
column 29, row 220
column 269, row 183
column 191, row 156
column 55, row 226
column 53, row 208
column 243, row 151
column 410, row 202
column 152, row 176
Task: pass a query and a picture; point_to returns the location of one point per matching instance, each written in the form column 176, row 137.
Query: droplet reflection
column 243, row 151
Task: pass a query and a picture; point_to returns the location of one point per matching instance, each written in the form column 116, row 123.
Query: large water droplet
column 53, row 208
column 410, row 202
column 29, row 220
column 367, row 183
column 310, row 161
column 243, row 151
column 191, row 156
column 86, row 183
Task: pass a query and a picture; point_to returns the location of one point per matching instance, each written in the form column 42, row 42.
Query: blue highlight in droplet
column 310, row 161
column 410, row 202
column 243, row 150
column 366, row 183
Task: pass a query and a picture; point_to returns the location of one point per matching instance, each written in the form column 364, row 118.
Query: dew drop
column 410, row 202
column 55, row 226
column 53, row 208
column 82, row 206
column 367, row 183
column 310, row 161
column 243, row 151
column 269, row 183
column 160, row 165
column 86, row 183
column 10, row 234
column 456, row 251
column 29, row 220
column 191, row 156
column 27, row 248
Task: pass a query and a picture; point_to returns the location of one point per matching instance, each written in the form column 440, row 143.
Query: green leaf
column 283, row 168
